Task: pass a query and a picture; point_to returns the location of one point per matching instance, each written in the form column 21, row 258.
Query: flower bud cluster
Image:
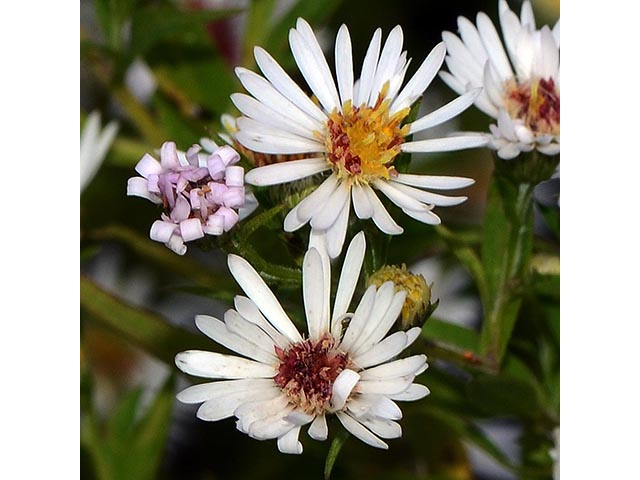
column 200, row 193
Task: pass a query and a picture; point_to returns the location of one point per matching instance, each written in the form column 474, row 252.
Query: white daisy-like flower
column 521, row 85
column 355, row 132
column 95, row 142
column 285, row 380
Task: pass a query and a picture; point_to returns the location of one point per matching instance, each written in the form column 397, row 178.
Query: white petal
column 556, row 32
column 317, row 199
column 383, row 428
column 277, row 173
column 278, row 145
column 369, row 65
column 257, row 130
column 252, row 411
column 274, row 426
column 471, row 39
column 261, row 89
column 359, row 319
column 338, row 231
column 421, row 79
column 382, row 302
column 223, row 406
column 378, row 405
column 361, row 204
column 208, row 391
column 427, row 216
column 447, row 112
column 550, row 54
column 381, row 217
column 318, row 429
column 492, row 86
column 342, row 387
column 387, row 64
column 314, row 295
column 434, row 181
column 526, row 15
column 252, row 333
column 398, row 368
column 344, row 64
column 217, row 330
column 383, row 351
column 447, row 144
column 292, row 221
column 392, row 386
column 314, row 68
column 216, row 365
column 414, row 392
column 379, row 330
column 398, row 197
column 493, row 46
column 285, row 85
column 510, row 24
column 349, row 275
column 412, row 335
column 454, row 83
column 428, row 197
column 289, row 443
column 460, row 55
column 359, row 431
column 329, row 212
column 300, row 418
column 249, row 311
column 258, row 291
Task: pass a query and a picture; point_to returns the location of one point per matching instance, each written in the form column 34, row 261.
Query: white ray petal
column 249, row 311
column 492, row 87
column 421, row 79
column 285, row 85
column 216, row 365
column 453, row 82
column 398, row 368
column 292, row 222
column 349, row 275
column 274, row 426
column 387, row 63
column 428, row 197
column 412, row 335
column 258, row 291
column 382, row 427
column 493, row 46
column 556, row 33
column 314, row 297
column 361, row 204
column 337, row 233
column 414, row 392
column 318, row 198
column 381, row 217
column 342, row 387
column 384, row 325
column 218, row 331
column 285, row 172
column 427, row 217
column 510, row 24
column 436, row 182
column 344, row 64
column 390, row 386
column 398, row 197
column 256, row 129
column 359, row 319
column 300, row 418
column 288, row 443
column 252, row 411
column 460, row 52
column 526, row 15
column 359, row 431
column 266, row 143
column 211, row 390
column 378, row 405
column 446, row 112
column 223, row 405
column 446, row 144
column 471, row 39
column 383, row 351
column 382, row 302
column 243, row 328
column 330, row 211
column 318, row 429
column 549, row 53
column 368, row 69
column 314, row 68
column 265, row 92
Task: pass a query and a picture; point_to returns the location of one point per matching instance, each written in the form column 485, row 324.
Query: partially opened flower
column 521, row 85
column 355, row 132
column 285, row 380
column 200, row 193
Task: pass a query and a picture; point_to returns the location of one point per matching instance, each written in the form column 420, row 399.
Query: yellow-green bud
column 417, row 305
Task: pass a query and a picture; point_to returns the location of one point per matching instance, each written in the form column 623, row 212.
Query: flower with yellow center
column 282, row 381
column 355, row 131
column 520, row 76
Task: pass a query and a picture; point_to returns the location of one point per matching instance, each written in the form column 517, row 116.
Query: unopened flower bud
column 417, row 305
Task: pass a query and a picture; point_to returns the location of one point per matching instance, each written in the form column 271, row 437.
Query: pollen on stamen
column 363, row 141
column 307, row 371
column 537, row 103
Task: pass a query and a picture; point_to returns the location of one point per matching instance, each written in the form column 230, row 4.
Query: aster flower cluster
column 200, row 194
column 346, row 136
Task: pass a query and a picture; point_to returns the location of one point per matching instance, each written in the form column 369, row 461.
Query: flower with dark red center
column 284, row 381
column 519, row 74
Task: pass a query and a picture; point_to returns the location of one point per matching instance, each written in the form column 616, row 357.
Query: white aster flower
column 286, row 380
column 94, row 145
column 355, row 132
column 521, row 85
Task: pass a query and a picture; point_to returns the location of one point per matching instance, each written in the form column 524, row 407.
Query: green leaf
column 143, row 328
column 336, row 445
column 457, row 335
column 504, row 395
column 120, row 425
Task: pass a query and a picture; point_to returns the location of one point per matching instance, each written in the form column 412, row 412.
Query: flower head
column 355, row 133
column 520, row 76
column 200, row 194
column 285, row 380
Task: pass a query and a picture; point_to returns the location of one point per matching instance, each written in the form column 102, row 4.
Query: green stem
column 334, row 450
